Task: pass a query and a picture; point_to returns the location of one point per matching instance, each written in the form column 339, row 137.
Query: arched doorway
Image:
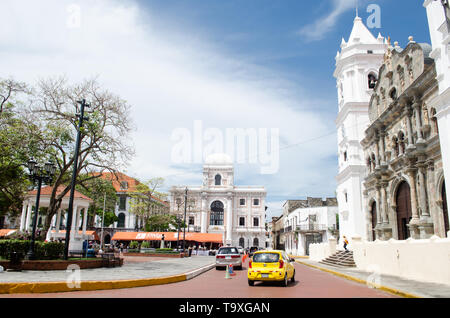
column 373, row 213
column 404, row 214
column 216, row 216
column 256, row 242
column 107, row 239
column 241, row 242
column 445, row 208
column 121, row 222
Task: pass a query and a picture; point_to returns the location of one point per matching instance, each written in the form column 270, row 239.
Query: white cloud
column 171, row 79
column 317, row 30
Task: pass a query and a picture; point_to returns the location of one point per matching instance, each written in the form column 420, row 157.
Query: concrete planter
column 57, row 264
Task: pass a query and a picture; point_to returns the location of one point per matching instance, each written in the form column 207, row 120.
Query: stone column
column 85, row 221
column 58, row 220
column 204, row 220
column 384, row 203
column 229, row 219
column 377, row 149
column 23, row 217
column 415, row 214
column 383, row 148
column 408, row 113
column 379, row 205
column 27, row 221
column 74, row 222
column 418, row 108
column 423, row 192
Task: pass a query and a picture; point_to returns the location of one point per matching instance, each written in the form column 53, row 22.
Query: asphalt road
column 309, row 283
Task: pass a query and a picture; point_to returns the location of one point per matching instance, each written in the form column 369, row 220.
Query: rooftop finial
column 356, row 8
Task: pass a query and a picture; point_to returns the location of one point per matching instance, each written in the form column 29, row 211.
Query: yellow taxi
column 271, row 265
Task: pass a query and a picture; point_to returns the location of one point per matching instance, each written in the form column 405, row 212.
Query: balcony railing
column 313, row 227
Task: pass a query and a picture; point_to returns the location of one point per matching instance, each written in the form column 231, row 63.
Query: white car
column 228, row 255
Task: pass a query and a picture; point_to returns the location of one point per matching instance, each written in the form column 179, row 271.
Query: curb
column 362, row 281
column 57, row 287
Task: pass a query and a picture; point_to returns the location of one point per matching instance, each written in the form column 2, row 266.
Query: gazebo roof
column 47, row 191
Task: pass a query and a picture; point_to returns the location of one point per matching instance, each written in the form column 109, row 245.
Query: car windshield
column 228, row 250
column 266, row 258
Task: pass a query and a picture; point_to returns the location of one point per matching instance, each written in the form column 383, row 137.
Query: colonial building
column 402, row 149
column 219, row 206
column 125, row 186
column 356, row 73
column 308, row 221
column 438, row 13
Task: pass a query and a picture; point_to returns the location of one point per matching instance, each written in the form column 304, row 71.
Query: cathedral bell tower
column 356, row 73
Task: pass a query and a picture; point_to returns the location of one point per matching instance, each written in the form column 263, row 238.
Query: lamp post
column 38, row 174
column 178, row 236
column 185, row 208
column 81, row 117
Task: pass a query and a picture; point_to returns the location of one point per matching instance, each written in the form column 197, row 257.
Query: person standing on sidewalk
column 345, row 243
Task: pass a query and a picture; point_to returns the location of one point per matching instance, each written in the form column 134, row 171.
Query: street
column 310, row 283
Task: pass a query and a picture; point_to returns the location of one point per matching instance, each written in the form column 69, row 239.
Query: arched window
column 372, row 80
column 121, row 222
column 256, row 242
column 393, row 94
column 374, row 162
column 216, row 216
column 345, row 155
column 241, row 242
column 218, row 179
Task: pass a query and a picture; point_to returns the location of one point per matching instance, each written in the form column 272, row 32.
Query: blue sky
column 230, row 64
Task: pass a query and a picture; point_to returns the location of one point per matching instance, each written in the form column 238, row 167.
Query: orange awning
column 168, row 236
column 90, row 233
column 6, row 232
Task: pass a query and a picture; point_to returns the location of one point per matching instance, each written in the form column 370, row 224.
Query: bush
column 145, row 244
column 134, row 244
column 164, row 250
column 42, row 250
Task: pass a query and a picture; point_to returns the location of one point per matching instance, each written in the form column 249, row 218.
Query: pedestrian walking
column 345, row 243
column 190, row 251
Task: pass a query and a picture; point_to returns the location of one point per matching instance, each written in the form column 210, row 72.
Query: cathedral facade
column 404, row 187
column 219, row 206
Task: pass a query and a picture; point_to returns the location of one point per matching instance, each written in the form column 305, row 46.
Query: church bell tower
column 356, row 73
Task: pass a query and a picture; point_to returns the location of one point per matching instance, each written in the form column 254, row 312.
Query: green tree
column 16, row 147
column 162, row 223
column 103, row 194
column 104, row 137
column 146, row 199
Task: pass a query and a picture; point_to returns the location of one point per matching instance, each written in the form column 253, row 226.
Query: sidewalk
column 131, row 274
column 393, row 284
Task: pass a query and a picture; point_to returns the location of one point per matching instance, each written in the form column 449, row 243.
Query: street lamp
column 81, row 118
column 38, row 174
column 184, row 225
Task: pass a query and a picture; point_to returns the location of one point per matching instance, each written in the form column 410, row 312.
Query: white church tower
column 357, row 66
column 438, row 13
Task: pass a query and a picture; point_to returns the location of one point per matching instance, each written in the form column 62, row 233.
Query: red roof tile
column 47, row 190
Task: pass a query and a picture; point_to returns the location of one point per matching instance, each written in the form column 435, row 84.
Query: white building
column 219, row 206
column 308, row 221
column 438, row 14
column 357, row 66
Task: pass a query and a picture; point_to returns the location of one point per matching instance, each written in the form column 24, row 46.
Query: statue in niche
column 426, row 119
